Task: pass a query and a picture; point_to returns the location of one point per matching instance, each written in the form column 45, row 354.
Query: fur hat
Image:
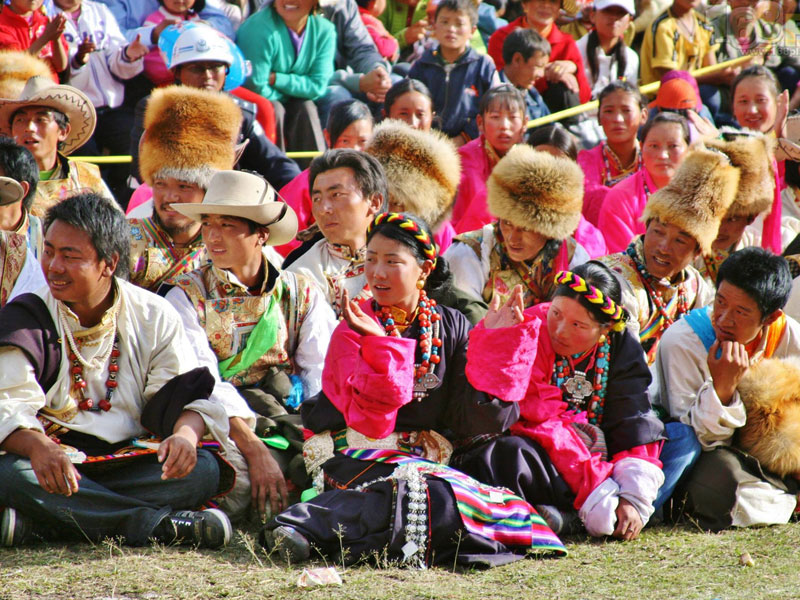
column 770, row 392
column 423, row 169
column 537, row 191
column 698, row 196
column 189, row 134
column 752, row 155
column 16, row 68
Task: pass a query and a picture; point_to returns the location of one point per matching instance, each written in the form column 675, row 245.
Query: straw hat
column 41, row 91
column 10, row 191
column 248, row 196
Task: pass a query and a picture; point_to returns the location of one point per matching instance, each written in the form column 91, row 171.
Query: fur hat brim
column 770, row 392
column 189, row 135
column 698, row 196
column 752, row 155
column 537, row 191
column 423, row 169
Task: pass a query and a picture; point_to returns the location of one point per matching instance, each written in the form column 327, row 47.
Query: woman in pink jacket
column 621, row 112
column 665, row 142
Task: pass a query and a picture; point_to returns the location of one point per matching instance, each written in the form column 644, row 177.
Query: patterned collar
column 343, row 251
column 230, row 281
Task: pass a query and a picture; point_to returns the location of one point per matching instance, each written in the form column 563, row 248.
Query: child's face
column 541, row 13
column 452, row 29
column 620, row 117
column 611, row 22
column 25, row 6
column 754, row 104
column 526, row 72
column 502, row 126
column 178, row 7
column 413, row 108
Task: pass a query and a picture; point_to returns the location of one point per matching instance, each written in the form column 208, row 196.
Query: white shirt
column 607, row 67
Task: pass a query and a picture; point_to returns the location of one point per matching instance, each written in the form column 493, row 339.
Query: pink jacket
column 296, row 194
column 154, row 67
column 386, row 44
column 520, row 371
column 594, row 170
column 470, row 211
column 622, row 208
column 771, row 232
column 589, row 236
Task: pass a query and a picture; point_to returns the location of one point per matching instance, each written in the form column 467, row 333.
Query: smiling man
column 348, row 188
column 701, row 361
column 52, row 121
column 659, row 285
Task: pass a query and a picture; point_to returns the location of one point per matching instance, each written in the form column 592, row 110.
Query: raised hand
column 509, row 314
column 85, row 48
column 728, row 369
column 135, row 50
column 357, row 319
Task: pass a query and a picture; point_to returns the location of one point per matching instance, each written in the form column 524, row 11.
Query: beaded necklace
column 79, row 362
column 576, row 388
column 429, row 342
column 622, row 172
column 655, row 296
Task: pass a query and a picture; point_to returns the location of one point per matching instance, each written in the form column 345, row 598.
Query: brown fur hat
column 770, row 392
column 752, row 155
column 423, row 169
column 698, row 196
column 189, row 134
column 537, row 191
column 15, row 70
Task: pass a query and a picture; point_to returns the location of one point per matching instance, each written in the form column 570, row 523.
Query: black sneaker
column 208, row 528
column 290, row 543
column 15, row 529
column 562, row 522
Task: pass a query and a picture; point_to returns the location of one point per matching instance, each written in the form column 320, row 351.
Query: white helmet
column 200, row 43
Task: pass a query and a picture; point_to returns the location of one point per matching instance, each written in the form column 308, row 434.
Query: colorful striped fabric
column 487, row 511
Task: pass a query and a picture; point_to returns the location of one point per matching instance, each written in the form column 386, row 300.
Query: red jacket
column 15, row 34
column 562, row 47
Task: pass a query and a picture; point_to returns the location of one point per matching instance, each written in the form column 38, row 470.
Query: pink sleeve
column 649, row 452
column 771, row 232
column 589, row 236
column 499, row 361
column 444, row 236
column 297, row 195
column 368, row 379
column 619, row 218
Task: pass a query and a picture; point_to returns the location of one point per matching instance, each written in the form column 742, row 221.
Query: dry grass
column 666, row 562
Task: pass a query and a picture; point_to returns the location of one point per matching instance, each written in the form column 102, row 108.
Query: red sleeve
column 569, row 51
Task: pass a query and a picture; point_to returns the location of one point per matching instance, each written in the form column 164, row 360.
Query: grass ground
column 666, row 562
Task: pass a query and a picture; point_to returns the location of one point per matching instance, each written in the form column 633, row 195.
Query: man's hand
column 416, row 31
column 54, row 471
column 629, row 523
column 727, row 370
column 266, row 479
column 375, row 84
column 179, row 456
column 161, row 27
column 135, row 50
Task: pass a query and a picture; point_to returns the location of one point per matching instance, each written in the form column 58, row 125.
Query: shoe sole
column 286, row 546
column 7, row 526
column 226, row 525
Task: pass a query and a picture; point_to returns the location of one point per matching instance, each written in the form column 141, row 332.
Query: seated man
column 91, row 335
column 701, row 361
column 348, row 188
column 659, row 285
column 20, row 233
column 52, row 121
column 254, row 325
column 200, row 59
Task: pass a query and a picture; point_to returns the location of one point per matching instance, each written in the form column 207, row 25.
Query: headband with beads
column 429, row 248
column 591, row 294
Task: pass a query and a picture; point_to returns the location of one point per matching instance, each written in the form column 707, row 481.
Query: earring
column 420, row 284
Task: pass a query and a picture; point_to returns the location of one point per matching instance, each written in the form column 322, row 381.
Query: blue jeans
column 127, row 501
column 680, row 452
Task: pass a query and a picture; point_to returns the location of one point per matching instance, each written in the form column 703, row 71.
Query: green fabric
column 262, row 338
column 46, row 175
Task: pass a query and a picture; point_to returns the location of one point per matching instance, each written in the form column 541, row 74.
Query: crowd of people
column 452, row 336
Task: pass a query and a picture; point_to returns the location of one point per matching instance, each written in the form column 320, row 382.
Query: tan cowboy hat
column 41, row 91
column 248, row 196
column 10, row 191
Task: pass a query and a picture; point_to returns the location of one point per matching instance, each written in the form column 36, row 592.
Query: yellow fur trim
column 15, row 70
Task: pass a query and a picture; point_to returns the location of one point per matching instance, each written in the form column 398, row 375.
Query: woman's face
column 663, row 151
column 355, row 136
column 392, row 272
column 572, row 328
column 292, row 11
column 521, row 244
column 414, row 108
column 754, row 104
column 620, row 117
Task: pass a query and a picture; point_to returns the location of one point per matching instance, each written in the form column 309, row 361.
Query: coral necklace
column 577, row 388
column 429, row 342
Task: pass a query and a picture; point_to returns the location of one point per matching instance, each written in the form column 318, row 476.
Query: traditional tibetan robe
column 70, row 176
column 482, row 268
column 381, row 456
column 653, row 304
column 155, row 258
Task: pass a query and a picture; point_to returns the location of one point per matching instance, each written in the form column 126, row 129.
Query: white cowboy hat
column 10, row 191
column 248, row 196
column 42, row 91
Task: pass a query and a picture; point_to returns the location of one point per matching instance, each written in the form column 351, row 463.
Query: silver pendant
column 424, row 384
column 578, row 387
